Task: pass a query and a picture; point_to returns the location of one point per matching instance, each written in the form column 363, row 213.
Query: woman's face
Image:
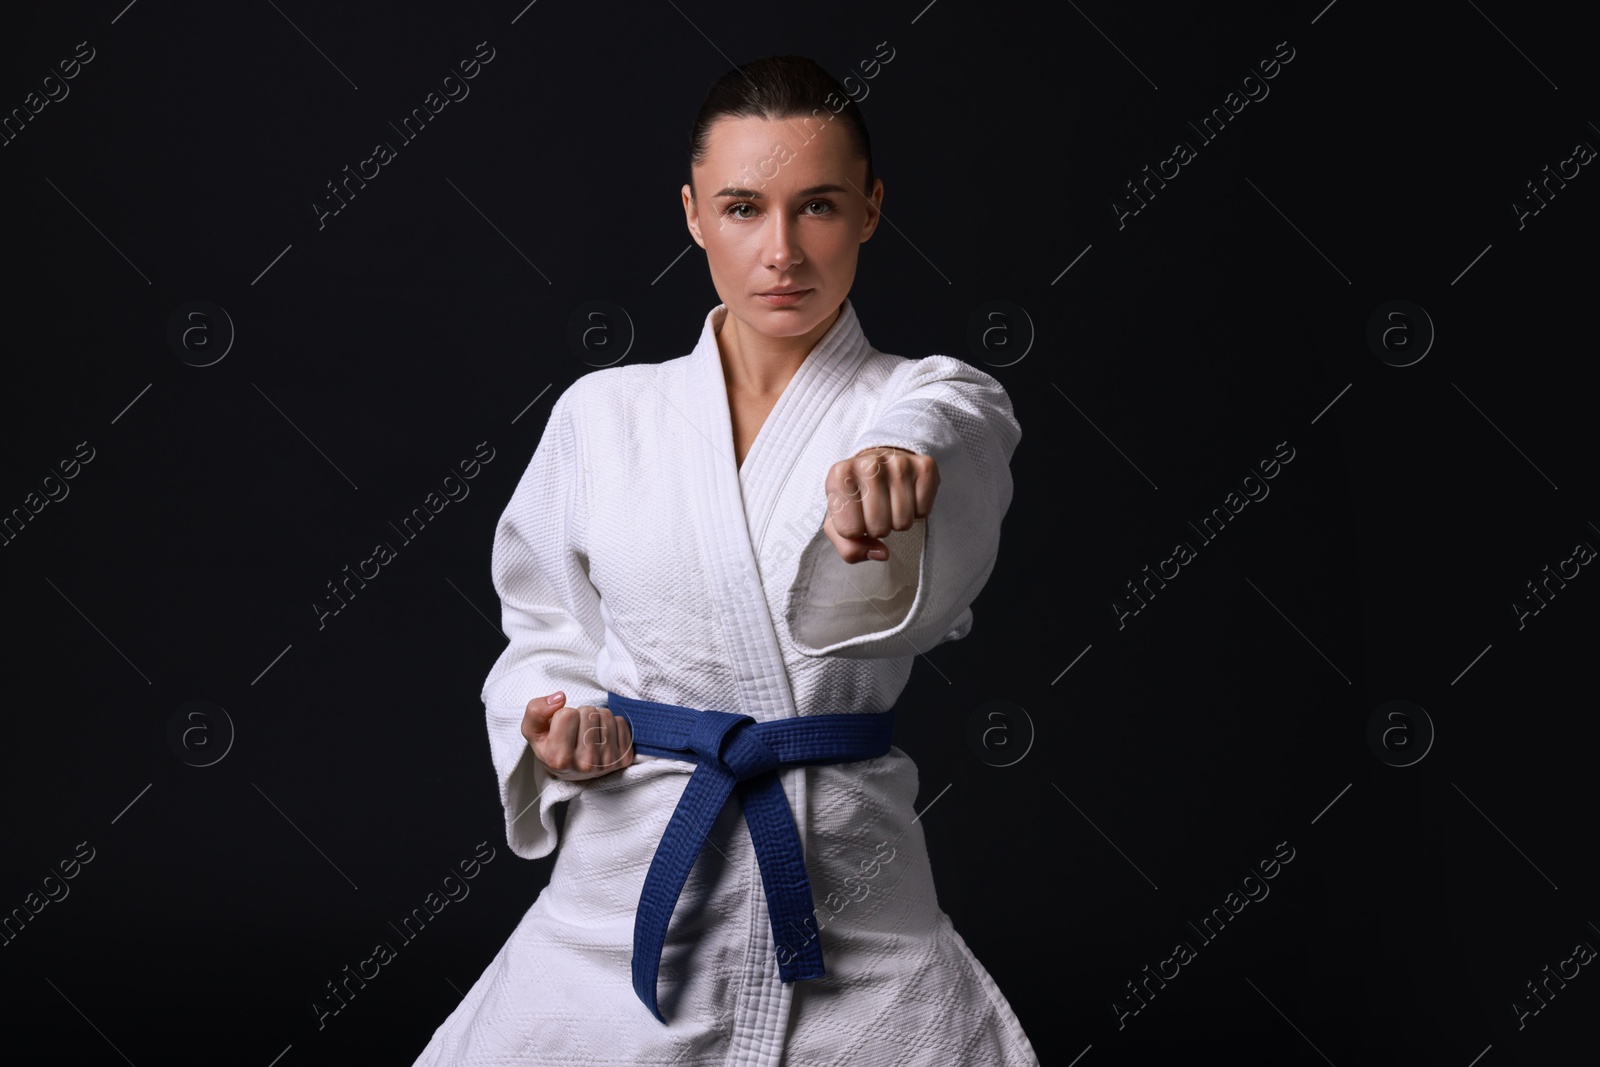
column 775, row 211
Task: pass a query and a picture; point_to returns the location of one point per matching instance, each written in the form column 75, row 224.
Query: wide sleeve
column 550, row 612
column 922, row 594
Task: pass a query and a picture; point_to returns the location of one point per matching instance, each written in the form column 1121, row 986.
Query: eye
column 825, row 203
column 731, row 208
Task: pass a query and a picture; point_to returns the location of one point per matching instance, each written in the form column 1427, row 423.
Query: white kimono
column 637, row 557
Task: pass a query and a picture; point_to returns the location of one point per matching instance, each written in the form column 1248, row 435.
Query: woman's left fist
column 873, row 492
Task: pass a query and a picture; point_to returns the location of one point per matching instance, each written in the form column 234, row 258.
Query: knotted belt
column 737, row 752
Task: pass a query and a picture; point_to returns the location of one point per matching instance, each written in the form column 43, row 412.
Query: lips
column 784, row 298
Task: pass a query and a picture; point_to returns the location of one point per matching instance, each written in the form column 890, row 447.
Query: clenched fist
column 576, row 743
column 873, row 492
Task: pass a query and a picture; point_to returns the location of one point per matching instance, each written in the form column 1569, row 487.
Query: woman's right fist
column 576, row 743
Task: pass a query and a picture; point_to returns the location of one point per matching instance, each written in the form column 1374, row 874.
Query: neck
column 758, row 364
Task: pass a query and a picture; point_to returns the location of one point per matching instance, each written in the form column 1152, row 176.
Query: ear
column 691, row 216
column 874, row 210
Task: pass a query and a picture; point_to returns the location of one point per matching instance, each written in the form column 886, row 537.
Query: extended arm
column 920, row 596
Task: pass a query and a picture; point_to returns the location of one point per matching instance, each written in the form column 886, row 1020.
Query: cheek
column 730, row 245
column 719, row 248
column 835, row 251
column 726, row 260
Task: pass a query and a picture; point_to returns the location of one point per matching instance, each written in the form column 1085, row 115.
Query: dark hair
column 779, row 87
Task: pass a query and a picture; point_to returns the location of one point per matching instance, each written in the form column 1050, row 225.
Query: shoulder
column 603, row 410
column 896, row 376
column 922, row 399
column 613, row 396
column 604, row 389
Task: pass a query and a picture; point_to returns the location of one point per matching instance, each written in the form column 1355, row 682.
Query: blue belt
column 735, row 751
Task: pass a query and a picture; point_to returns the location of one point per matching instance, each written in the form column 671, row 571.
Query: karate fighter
column 715, row 576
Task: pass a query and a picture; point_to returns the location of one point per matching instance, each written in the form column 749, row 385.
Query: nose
column 783, row 251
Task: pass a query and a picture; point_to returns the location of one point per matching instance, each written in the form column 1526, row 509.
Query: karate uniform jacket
column 638, row 557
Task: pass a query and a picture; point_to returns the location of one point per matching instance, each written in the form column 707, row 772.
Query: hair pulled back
column 779, row 87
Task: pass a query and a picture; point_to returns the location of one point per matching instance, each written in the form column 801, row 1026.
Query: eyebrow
column 751, row 194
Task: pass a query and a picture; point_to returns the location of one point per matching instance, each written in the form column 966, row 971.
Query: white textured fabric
column 637, row 557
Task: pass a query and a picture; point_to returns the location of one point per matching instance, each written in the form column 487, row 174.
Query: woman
column 713, row 569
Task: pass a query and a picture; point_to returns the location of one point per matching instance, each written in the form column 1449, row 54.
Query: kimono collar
column 733, row 503
column 831, row 363
column 843, row 335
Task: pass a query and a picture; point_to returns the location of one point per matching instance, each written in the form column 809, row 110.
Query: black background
column 1178, row 350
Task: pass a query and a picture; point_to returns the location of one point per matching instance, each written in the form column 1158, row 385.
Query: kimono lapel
column 716, row 498
column 795, row 418
column 732, row 505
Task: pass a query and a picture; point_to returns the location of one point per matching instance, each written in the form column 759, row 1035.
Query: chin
column 780, row 323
